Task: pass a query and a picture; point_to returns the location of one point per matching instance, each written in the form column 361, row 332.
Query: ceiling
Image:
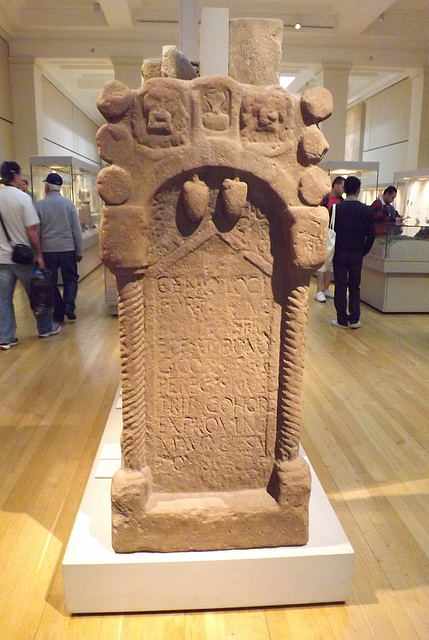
column 78, row 42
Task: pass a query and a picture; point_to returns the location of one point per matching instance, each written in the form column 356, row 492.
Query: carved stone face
column 158, row 110
column 266, row 115
column 165, row 118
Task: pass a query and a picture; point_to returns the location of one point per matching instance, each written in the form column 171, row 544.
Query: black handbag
column 21, row 253
column 41, row 292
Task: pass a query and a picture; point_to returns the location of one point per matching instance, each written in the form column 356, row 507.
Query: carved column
column 292, row 475
column 132, row 483
column 291, row 369
column 131, row 337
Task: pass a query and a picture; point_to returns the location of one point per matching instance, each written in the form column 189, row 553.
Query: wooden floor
column 365, row 429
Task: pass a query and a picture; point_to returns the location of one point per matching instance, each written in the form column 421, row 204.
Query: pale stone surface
column 151, row 68
column 176, row 65
column 255, row 50
column 212, row 227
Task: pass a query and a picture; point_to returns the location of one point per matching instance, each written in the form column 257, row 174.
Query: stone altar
column 212, row 227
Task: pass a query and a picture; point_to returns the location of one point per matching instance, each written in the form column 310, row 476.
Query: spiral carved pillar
column 132, row 483
column 292, row 470
column 131, row 337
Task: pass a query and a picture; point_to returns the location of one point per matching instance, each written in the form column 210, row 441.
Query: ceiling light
column 297, row 25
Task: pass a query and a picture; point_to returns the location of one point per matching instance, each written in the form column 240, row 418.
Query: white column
column 26, row 83
column 418, row 136
column 128, row 71
column 335, row 77
column 214, row 42
column 7, row 148
column 188, row 29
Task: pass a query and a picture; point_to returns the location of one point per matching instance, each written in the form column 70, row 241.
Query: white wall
column 7, row 151
column 66, row 130
column 387, row 129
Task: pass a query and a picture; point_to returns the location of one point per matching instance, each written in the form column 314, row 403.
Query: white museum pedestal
column 396, row 286
column 98, row 580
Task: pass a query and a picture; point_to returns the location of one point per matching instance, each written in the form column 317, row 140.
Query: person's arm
column 34, row 238
column 77, row 232
column 370, row 235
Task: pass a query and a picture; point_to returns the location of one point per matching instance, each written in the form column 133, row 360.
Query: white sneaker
column 355, row 325
column 337, row 324
column 328, row 293
column 320, row 296
column 8, row 345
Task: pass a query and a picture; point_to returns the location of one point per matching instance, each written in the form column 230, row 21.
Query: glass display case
column 367, row 172
column 409, row 243
column 412, row 201
column 79, row 184
column 395, row 272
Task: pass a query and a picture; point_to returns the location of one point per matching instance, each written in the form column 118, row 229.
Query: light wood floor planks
column 365, row 429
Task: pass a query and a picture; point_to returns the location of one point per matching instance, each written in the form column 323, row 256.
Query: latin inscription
column 212, row 402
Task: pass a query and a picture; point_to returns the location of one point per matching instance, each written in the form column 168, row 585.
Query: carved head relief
column 157, row 114
column 164, row 119
column 266, row 114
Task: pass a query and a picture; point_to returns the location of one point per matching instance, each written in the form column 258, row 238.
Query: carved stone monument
column 212, row 227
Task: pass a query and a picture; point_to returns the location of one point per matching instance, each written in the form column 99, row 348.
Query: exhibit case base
column 98, row 580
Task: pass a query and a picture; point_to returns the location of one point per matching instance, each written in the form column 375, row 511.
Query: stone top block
column 151, row 68
column 255, row 50
column 175, row 64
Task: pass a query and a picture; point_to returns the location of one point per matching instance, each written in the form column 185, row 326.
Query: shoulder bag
column 21, row 253
column 331, row 235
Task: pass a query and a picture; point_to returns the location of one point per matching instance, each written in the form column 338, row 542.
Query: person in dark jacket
column 355, row 233
column 385, row 213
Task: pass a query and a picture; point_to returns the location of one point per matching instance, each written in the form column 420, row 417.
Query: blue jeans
column 9, row 274
column 66, row 261
column 347, row 276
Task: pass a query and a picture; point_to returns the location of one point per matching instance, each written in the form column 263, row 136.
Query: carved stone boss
column 212, row 227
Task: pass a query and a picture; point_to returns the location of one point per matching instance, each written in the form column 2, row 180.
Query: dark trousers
column 66, row 261
column 347, row 275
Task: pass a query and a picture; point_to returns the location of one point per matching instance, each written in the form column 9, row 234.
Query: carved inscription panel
column 212, row 334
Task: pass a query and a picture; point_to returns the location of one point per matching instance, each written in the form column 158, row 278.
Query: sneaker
column 56, row 328
column 337, row 324
column 8, row 345
column 320, row 296
column 328, row 293
column 355, row 325
column 70, row 315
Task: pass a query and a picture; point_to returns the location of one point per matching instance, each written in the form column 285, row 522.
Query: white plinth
column 98, row 580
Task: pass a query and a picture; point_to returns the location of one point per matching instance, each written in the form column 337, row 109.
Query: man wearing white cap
column 61, row 240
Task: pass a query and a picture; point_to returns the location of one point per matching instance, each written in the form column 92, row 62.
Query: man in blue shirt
column 61, row 240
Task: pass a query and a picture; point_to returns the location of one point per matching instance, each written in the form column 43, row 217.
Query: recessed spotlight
column 297, row 25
